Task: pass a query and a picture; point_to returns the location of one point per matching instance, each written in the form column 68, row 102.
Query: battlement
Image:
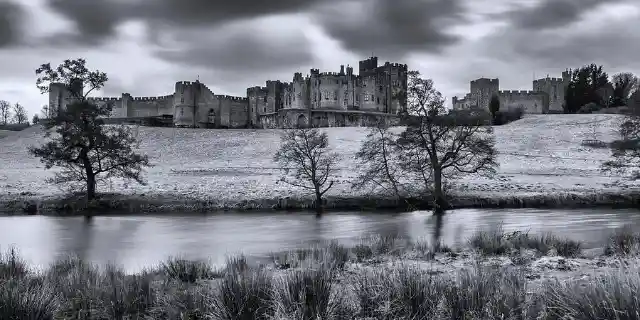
column 186, row 83
column 315, row 71
column 152, row 98
column 485, row 81
column 231, row 98
column 99, row 99
column 520, row 92
column 549, row 80
column 330, row 74
column 400, row 66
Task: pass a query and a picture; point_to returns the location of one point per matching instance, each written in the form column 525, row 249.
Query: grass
column 372, row 280
column 498, row 242
column 28, row 203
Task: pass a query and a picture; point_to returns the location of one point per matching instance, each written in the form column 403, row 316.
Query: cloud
column 551, row 14
column 96, row 20
column 245, row 46
column 10, row 27
column 605, row 37
column 393, row 27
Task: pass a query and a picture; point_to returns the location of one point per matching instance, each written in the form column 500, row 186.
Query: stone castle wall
column 193, row 104
column 547, row 95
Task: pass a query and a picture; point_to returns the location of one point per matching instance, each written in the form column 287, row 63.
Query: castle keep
column 547, row 95
column 323, row 99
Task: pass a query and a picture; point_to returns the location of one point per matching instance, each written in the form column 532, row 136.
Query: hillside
column 538, row 154
column 4, row 133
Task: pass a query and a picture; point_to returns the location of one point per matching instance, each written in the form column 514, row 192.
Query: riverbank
column 495, row 276
column 29, row 204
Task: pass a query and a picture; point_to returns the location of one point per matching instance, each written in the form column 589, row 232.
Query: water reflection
column 139, row 241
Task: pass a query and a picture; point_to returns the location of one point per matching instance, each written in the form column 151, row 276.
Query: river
column 138, row 241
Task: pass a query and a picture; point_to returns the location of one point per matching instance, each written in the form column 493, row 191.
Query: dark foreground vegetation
column 376, row 279
column 26, row 204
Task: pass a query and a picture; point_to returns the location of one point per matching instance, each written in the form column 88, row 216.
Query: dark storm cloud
column 610, row 40
column 237, row 48
column 11, row 15
column 549, row 14
column 393, row 27
column 96, row 20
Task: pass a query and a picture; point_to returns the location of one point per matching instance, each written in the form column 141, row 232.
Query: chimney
column 341, row 69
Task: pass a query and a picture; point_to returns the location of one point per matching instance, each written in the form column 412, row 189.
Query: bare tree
column 84, row 148
column 20, row 114
column 436, row 147
column 307, row 161
column 5, row 111
column 378, row 160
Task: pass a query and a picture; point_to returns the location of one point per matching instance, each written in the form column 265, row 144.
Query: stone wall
column 531, row 102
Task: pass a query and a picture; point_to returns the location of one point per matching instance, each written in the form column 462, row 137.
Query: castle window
column 377, row 100
column 371, row 97
column 264, row 110
column 182, row 111
column 181, row 100
column 366, row 97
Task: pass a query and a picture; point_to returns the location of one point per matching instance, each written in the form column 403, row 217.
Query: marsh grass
column 323, row 286
column 612, row 296
column 497, row 242
column 623, row 241
column 11, row 265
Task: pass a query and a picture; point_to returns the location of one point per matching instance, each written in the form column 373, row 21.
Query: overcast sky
column 145, row 46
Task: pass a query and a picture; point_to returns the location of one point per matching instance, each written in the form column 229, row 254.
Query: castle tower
column 482, row 89
column 185, row 103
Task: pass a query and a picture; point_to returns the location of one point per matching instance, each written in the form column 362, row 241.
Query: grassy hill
column 538, row 154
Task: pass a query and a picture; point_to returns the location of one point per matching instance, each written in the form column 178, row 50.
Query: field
column 540, row 154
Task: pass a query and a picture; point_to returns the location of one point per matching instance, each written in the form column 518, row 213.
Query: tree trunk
column 318, row 207
column 91, row 187
column 440, row 204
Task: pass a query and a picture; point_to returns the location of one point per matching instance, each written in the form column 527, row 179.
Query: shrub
column 339, row 255
column 507, row 116
column 499, row 243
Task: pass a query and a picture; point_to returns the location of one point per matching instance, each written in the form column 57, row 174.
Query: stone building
column 547, row 95
column 318, row 99
column 331, row 98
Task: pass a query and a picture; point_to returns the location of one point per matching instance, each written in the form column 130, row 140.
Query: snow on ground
column 540, row 153
column 4, row 133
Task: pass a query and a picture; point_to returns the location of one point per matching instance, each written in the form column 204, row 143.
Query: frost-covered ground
column 4, row 133
column 538, row 154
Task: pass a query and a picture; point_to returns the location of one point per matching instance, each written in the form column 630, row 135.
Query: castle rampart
column 193, row 104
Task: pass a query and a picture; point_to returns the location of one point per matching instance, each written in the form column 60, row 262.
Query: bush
column 507, row 116
column 589, row 108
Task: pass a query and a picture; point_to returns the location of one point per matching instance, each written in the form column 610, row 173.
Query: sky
column 145, row 46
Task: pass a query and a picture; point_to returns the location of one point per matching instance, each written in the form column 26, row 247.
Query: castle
column 547, row 95
column 321, row 99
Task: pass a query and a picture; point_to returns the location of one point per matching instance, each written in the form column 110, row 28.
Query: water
column 144, row 240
